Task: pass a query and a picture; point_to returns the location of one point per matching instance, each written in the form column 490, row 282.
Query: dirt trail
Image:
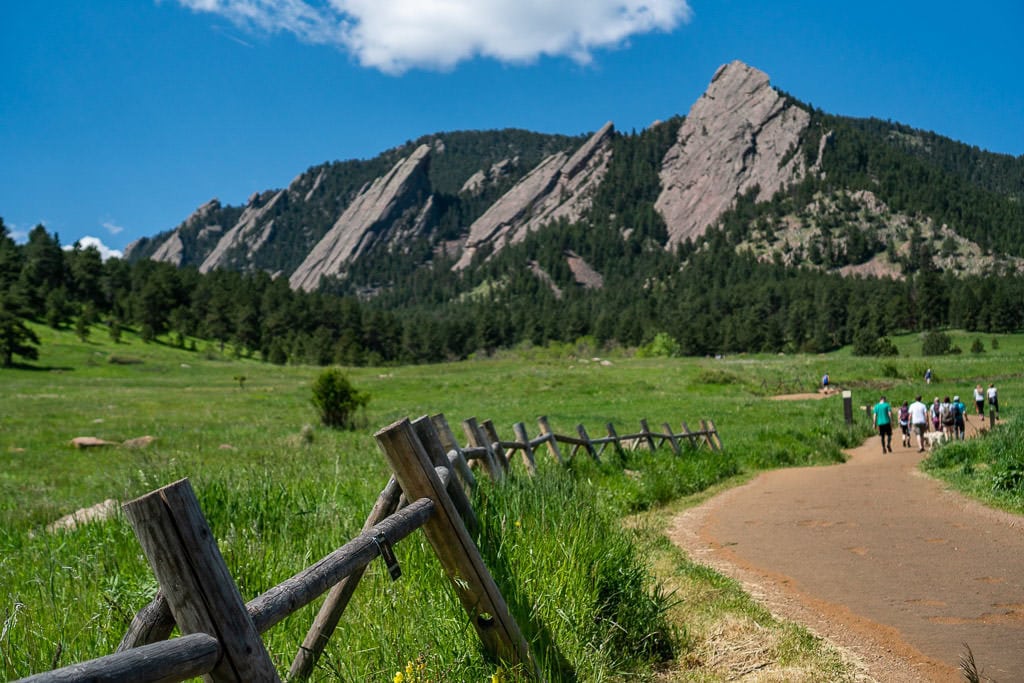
column 877, row 558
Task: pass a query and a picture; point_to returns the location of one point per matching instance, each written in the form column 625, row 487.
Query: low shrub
column 336, row 400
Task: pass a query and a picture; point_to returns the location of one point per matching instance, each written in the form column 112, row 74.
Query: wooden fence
column 431, row 474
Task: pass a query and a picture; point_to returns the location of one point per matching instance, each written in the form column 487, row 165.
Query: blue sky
column 119, row 117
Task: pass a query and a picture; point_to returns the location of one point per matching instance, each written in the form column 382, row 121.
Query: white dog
column 932, row 439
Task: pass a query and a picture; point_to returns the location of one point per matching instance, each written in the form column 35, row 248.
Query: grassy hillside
column 277, row 500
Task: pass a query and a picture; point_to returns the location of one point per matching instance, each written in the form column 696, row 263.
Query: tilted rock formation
column 559, row 187
column 374, row 216
column 173, row 250
column 583, row 272
column 741, row 133
column 251, row 232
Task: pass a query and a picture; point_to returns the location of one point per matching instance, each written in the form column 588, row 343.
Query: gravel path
column 877, row 558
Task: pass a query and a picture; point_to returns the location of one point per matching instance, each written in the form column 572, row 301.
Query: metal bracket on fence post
column 388, row 555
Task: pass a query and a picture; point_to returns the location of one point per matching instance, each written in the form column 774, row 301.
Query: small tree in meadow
column 934, row 343
column 337, row 400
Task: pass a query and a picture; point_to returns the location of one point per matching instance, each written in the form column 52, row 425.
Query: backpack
column 947, row 414
column 958, row 411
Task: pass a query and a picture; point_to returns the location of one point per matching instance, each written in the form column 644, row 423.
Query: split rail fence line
column 428, row 489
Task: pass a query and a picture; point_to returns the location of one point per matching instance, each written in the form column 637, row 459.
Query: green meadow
column 577, row 550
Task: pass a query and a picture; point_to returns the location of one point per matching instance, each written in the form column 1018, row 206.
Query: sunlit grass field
column 278, row 500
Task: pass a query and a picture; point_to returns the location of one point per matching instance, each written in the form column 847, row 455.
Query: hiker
column 946, row 416
column 934, row 412
column 959, row 415
column 928, row 376
column 904, row 419
column 979, row 400
column 919, row 421
column 993, row 399
column 883, row 421
column 824, row 382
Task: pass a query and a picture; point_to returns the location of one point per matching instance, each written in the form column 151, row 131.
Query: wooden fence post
column 545, row 429
column 615, row 441
column 707, row 435
column 581, row 430
column 428, row 436
column 671, row 437
column 495, row 443
column 519, row 429
column 646, row 433
column 689, row 435
column 199, row 589
column 455, row 549
column 444, row 432
column 714, row 431
column 337, row 600
column 476, row 437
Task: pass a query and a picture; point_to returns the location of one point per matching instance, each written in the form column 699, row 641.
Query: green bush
column 935, row 343
column 336, row 399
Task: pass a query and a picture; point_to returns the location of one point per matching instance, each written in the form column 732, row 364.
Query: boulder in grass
column 91, row 442
column 96, row 513
column 139, row 442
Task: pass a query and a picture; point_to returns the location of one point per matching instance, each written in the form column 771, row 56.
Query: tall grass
column 279, row 494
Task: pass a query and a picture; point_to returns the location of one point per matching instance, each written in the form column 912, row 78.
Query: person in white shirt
column 993, row 399
column 979, row 400
column 919, row 421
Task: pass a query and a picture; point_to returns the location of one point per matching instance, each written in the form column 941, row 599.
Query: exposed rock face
column 250, row 232
column 741, row 133
column 173, row 250
column 559, row 187
column 476, row 182
column 582, row 271
column 374, row 216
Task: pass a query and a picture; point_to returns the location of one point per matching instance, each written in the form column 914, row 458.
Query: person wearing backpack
column 959, row 414
column 946, row 415
column 904, row 419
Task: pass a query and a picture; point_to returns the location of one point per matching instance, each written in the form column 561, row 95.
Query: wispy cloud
column 88, row 241
column 397, row 35
column 112, row 227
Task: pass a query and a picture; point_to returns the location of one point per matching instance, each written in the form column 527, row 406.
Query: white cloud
column 397, row 35
column 88, row 241
column 112, row 227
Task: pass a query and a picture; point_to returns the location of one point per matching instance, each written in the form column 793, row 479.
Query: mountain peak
column 736, row 137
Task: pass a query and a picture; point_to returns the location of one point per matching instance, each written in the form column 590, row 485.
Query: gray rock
column 372, row 217
column 741, row 133
column 559, row 187
column 251, row 232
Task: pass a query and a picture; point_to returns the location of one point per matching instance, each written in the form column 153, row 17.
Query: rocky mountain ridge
column 462, row 202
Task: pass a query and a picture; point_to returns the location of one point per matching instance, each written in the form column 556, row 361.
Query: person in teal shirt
column 883, row 422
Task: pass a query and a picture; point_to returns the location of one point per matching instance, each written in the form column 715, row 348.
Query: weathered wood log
column 714, row 432
column 444, row 432
column 613, row 438
column 581, row 430
column 152, row 624
column 203, row 597
column 341, row 593
column 476, row 439
column 545, row 430
column 689, row 435
column 455, row 549
column 495, row 443
column 671, row 438
column 300, row 590
column 428, row 436
column 169, row 661
column 706, row 432
column 519, row 429
column 645, row 431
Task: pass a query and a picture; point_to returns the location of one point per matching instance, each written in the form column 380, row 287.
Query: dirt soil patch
column 877, row 558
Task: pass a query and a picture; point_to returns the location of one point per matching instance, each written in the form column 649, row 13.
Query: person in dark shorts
column 903, row 415
column 883, row 421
